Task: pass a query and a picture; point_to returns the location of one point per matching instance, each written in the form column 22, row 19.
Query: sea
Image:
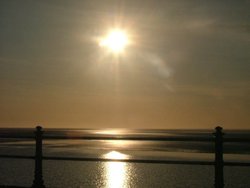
column 108, row 174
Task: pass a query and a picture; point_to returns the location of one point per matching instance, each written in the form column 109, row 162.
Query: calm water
column 123, row 175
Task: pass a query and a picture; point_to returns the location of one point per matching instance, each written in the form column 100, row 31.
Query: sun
column 116, row 41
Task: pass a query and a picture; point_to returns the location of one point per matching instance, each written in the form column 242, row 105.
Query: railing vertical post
column 38, row 178
column 219, row 163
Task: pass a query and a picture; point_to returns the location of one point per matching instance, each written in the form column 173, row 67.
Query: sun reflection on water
column 116, row 172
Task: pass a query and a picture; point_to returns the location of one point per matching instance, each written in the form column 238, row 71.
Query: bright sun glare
column 116, row 40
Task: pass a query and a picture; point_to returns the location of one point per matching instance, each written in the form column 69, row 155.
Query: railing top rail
column 79, row 135
column 17, row 136
column 132, row 138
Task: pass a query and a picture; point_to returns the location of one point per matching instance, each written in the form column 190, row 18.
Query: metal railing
column 217, row 139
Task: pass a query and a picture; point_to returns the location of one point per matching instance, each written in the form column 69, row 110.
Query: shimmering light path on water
column 116, row 172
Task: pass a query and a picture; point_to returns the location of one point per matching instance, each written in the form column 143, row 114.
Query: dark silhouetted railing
column 38, row 180
column 218, row 163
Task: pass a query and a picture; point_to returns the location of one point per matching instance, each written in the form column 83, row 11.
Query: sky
column 187, row 66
